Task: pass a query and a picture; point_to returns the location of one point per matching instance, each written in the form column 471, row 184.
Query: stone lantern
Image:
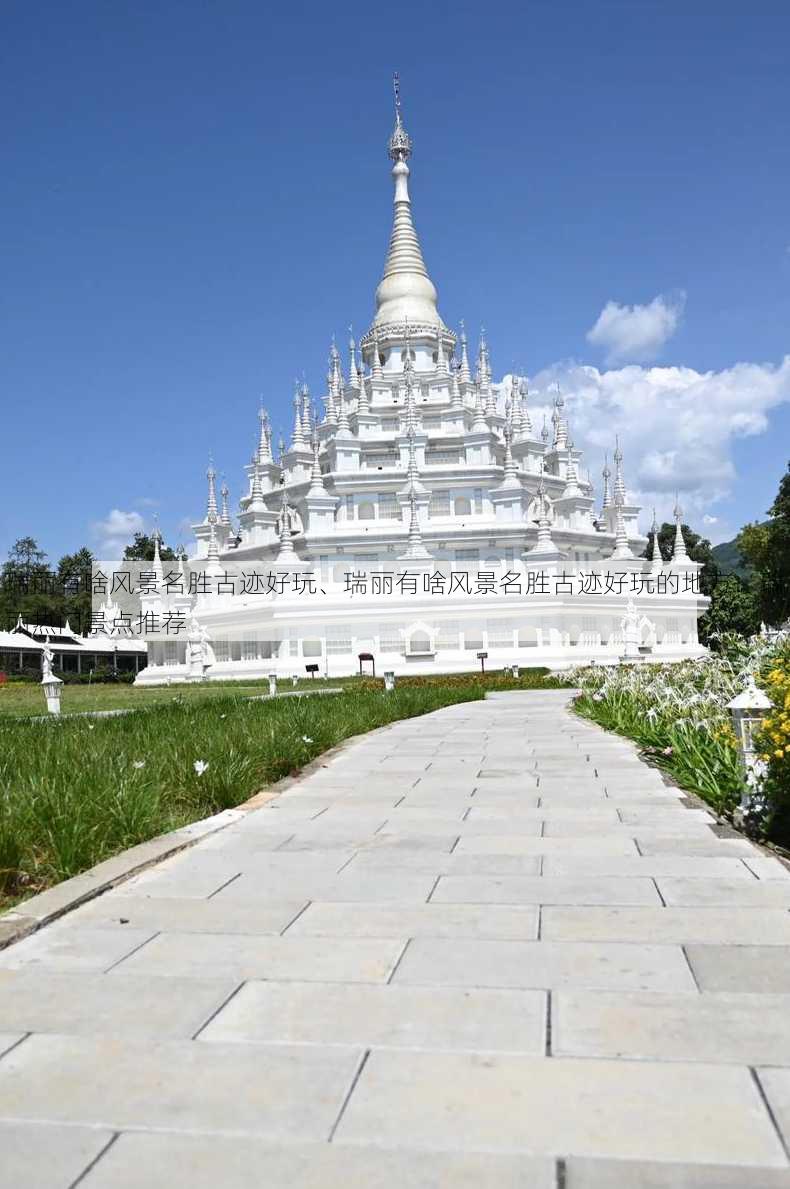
column 748, row 709
column 272, row 684
column 389, row 680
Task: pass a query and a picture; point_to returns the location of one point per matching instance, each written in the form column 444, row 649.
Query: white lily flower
column 200, row 766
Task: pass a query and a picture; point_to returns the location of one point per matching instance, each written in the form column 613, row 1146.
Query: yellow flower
column 779, row 753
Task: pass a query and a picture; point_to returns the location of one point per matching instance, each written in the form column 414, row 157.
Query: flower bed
column 678, row 714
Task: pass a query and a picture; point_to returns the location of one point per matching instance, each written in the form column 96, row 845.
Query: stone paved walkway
column 484, row 948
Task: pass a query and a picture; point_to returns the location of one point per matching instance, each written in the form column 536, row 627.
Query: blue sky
column 195, row 197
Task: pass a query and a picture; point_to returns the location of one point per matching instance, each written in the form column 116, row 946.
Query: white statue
column 633, row 624
column 199, row 653
column 47, row 657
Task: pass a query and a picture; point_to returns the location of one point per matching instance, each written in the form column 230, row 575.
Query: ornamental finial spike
column 400, row 141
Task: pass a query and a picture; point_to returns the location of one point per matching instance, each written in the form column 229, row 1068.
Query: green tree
column 733, row 608
column 142, row 549
column 74, row 579
column 27, row 586
column 766, row 547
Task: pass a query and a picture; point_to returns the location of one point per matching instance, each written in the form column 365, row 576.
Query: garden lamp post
column 272, row 684
column 748, row 709
column 389, row 680
column 51, row 686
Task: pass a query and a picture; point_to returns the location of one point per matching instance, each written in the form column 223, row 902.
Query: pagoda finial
column 510, row 476
column 515, row 405
column 479, row 424
column 307, row 424
column 571, row 474
column 621, row 547
column 464, row 374
column 400, row 141
column 212, row 556
column 607, row 474
column 375, row 369
column 211, row 502
column 264, row 452
column 656, row 560
column 441, row 358
column 316, row 478
column 679, row 552
column 456, row 400
column 297, row 441
column 405, row 290
column 560, row 423
column 256, row 491
column 224, row 518
column 619, row 479
column 415, row 549
column 544, row 543
column 353, row 374
column 157, row 536
column 526, row 420
column 287, row 550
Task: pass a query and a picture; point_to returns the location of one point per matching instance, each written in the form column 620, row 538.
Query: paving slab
column 548, row 1106
column 730, row 927
column 512, row 844
column 33, row 1000
column 43, row 1156
column 216, row 1162
column 741, row 968
column 648, row 866
column 725, row 892
column 605, row 966
column 156, row 914
column 425, row 920
column 279, row 1091
column 61, row 948
column 445, row 862
column 241, row 957
column 546, row 889
column 709, row 845
column 436, row 1018
column 389, row 887
column 739, row 1028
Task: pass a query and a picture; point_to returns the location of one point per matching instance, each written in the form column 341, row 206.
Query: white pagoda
column 424, row 518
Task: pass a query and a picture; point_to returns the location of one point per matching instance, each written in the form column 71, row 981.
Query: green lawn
column 20, row 699
column 26, row 698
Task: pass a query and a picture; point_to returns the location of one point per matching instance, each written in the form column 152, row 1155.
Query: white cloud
column 636, row 332
column 708, row 520
column 676, row 425
column 116, row 531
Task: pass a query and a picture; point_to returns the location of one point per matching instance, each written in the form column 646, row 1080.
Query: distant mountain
column 727, row 557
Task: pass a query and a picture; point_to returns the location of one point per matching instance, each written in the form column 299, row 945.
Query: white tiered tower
column 421, row 467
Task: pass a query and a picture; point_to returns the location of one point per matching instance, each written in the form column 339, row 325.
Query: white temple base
column 435, row 664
